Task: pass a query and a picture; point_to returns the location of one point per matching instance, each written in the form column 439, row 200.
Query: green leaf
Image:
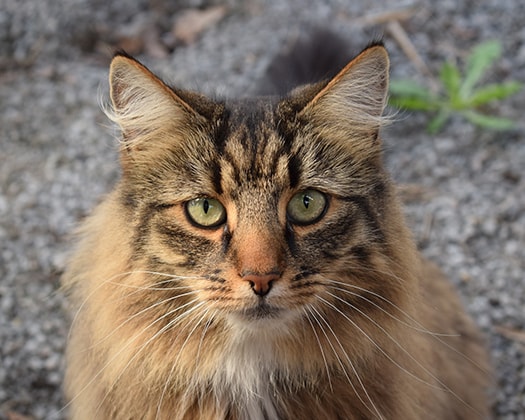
column 451, row 79
column 459, row 95
column 412, row 103
column 409, row 88
column 494, row 123
column 494, row 92
column 481, row 58
column 438, row 121
column 409, row 95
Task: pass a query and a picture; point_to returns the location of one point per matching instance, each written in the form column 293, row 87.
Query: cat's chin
column 263, row 311
column 263, row 317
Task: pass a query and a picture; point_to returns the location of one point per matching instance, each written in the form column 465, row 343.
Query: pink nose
column 261, row 283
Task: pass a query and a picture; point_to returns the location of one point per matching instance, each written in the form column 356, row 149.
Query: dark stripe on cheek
column 304, row 274
column 128, row 200
column 329, row 242
column 290, row 239
column 370, row 216
column 216, row 279
column 226, row 239
column 139, row 239
column 183, row 244
column 362, row 253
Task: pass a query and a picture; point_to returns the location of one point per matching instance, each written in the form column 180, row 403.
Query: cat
column 253, row 263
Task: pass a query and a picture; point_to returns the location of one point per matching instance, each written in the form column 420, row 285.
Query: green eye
column 307, row 207
column 206, row 212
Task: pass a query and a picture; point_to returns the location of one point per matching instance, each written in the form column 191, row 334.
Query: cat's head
column 265, row 209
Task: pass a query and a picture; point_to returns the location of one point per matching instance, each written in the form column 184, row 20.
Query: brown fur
column 355, row 325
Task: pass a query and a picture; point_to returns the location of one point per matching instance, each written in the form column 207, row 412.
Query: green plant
column 458, row 93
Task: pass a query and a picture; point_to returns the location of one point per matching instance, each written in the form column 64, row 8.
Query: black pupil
column 206, row 206
column 306, row 200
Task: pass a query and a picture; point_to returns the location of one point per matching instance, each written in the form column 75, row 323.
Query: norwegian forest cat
column 253, row 263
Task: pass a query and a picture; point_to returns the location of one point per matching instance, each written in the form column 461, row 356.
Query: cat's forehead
column 249, row 120
column 253, row 150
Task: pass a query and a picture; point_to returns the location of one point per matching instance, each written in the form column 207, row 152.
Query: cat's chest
column 247, row 373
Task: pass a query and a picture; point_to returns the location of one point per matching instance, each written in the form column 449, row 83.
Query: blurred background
column 463, row 186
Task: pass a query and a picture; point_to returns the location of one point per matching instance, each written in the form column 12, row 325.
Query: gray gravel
column 464, row 188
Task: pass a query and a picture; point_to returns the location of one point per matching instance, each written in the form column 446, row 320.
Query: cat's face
column 258, row 211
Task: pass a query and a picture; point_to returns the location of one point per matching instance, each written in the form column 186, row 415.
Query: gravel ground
column 464, row 188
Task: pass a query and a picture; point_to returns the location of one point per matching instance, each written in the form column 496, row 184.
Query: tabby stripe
column 290, row 239
column 331, row 236
column 304, row 274
column 216, row 177
column 216, row 279
column 361, row 252
column 222, row 132
column 370, row 215
column 182, row 242
column 140, row 234
column 294, row 170
column 226, row 239
column 304, row 284
column 266, row 159
column 155, row 264
column 237, row 175
column 287, row 133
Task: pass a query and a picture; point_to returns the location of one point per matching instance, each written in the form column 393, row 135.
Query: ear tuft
column 143, row 105
column 355, row 98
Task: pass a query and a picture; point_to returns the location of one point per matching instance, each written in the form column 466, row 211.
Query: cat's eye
column 307, row 207
column 206, row 212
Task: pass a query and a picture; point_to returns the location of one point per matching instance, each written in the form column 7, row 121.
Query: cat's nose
column 261, row 283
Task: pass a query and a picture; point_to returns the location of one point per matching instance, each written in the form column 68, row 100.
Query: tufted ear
column 155, row 119
column 143, row 106
column 354, row 100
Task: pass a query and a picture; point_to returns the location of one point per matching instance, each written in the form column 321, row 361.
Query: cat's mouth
column 261, row 311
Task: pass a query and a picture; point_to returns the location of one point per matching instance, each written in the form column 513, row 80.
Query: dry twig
column 511, row 333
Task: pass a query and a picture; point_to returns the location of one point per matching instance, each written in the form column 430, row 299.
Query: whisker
column 129, row 342
column 152, row 287
column 176, row 361
column 443, row 385
column 204, row 331
column 422, row 330
column 341, row 364
column 420, row 327
column 331, row 305
column 111, row 280
column 320, row 348
column 349, row 362
column 169, row 325
column 137, row 314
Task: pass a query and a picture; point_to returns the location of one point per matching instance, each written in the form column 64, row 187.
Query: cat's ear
column 354, row 100
column 142, row 105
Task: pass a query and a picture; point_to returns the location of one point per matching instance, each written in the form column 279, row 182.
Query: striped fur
column 353, row 324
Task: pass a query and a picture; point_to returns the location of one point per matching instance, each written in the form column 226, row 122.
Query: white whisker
column 111, row 281
column 115, row 356
column 420, row 327
column 137, row 314
column 426, row 370
column 422, row 330
column 349, row 362
column 320, row 348
column 169, row 325
column 176, row 361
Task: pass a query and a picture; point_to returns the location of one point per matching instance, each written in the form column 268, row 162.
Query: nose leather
column 261, row 283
